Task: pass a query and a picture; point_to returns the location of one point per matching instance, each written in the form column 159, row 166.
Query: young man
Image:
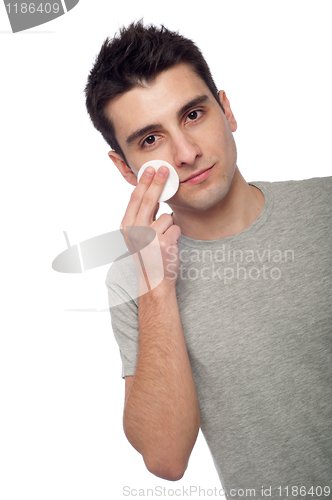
column 236, row 339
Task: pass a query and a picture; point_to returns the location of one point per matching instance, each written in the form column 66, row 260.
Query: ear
column 123, row 168
column 228, row 112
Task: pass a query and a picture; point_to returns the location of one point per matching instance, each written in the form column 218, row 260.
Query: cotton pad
column 172, row 183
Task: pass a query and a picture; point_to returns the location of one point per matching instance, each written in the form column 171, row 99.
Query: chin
column 204, row 200
column 196, row 205
column 212, row 199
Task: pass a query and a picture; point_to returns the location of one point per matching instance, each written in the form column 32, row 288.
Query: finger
column 174, row 232
column 136, row 197
column 164, row 222
column 155, row 212
column 151, row 197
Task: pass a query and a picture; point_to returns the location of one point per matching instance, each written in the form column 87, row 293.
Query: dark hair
column 135, row 57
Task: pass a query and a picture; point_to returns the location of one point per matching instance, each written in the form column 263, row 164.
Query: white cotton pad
column 172, row 183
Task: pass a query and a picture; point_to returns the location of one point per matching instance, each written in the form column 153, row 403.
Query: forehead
column 157, row 102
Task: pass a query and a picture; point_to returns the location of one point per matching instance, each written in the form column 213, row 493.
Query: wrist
column 162, row 290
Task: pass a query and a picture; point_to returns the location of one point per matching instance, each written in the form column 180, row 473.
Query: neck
column 239, row 209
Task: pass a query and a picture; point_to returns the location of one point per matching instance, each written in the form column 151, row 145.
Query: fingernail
column 149, row 171
column 162, row 171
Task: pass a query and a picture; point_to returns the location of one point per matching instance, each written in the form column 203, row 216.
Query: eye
column 149, row 141
column 194, row 115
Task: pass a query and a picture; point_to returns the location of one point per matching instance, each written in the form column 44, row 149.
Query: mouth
column 199, row 177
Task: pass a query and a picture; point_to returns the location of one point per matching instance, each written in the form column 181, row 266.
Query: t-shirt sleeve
column 123, row 308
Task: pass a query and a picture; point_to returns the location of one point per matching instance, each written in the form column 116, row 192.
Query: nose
column 185, row 149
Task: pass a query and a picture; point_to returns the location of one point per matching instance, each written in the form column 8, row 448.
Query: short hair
column 133, row 58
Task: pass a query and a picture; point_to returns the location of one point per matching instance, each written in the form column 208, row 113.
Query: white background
column 61, row 392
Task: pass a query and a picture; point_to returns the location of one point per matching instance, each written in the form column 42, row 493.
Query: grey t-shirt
column 257, row 319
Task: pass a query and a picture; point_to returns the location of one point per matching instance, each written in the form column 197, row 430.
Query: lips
column 196, row 175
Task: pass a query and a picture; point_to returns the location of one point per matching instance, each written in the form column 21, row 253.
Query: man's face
column 177, row 119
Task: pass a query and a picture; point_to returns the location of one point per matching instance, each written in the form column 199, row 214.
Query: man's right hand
column 161, row 414
column 141, row 212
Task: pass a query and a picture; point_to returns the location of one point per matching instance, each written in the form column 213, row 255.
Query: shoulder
column 300, row 194
column 119, row 269
column 314, row 185
column 121, row 280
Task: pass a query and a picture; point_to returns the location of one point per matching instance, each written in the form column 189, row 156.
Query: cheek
column 214, row 135
column 224, row 140
column 141, row 156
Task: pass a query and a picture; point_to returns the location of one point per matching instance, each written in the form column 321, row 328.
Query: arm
column 161, row 413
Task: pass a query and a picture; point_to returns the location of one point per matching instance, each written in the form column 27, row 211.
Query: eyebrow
column 191, row 104
column 149, row 128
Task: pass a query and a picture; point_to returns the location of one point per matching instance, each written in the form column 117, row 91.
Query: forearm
column 161, row 415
